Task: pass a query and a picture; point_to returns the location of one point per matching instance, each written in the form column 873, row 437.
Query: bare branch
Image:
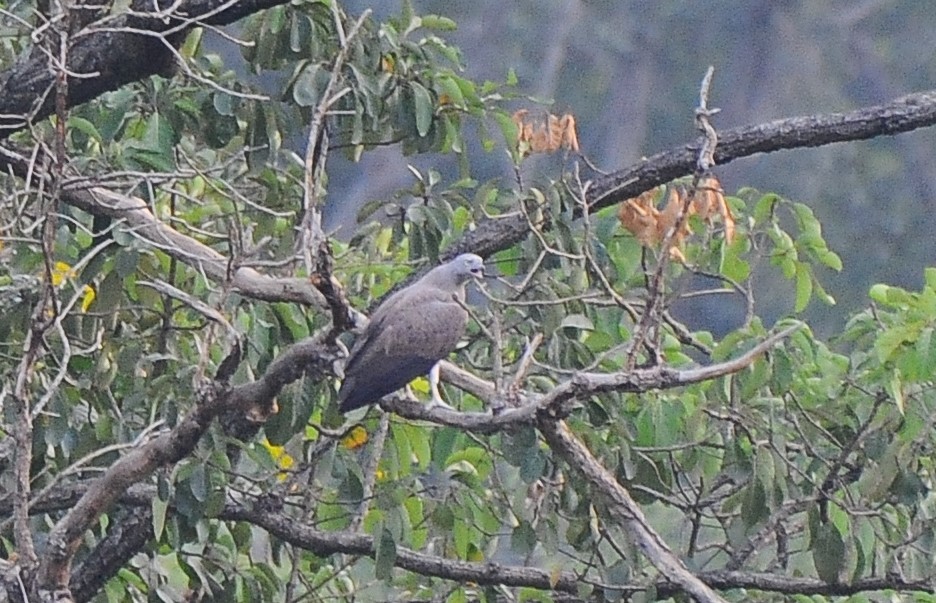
column 142, row 223
column 559, row 401
column 325, row 543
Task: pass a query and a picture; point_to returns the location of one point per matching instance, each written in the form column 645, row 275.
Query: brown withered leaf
column 710, row 201
column 545, row 134
column 649, row 225
column 675, row 198
column 640, row 217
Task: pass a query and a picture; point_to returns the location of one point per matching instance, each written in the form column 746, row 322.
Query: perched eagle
column 408, row 334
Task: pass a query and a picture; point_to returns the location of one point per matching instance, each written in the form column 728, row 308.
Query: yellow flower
column 61, row 271
column 356, row 438
column 88, row 298
column 282, row 459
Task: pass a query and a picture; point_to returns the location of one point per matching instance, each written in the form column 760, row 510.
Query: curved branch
column 142, row 223
column 326, row 543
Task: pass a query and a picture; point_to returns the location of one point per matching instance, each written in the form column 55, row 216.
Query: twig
column 703, row 122
column 370, row 471
column 311, row 236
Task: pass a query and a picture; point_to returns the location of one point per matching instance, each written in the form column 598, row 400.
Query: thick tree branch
column 326, row 543
column 904, row 114
column 807, row 586
column 128, row 534
column 106, row 59
column 143, row 224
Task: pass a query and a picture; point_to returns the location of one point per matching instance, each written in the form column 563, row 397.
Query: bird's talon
column 433, row 404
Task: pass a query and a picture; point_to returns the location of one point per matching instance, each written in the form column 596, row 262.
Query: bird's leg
column 437, row 401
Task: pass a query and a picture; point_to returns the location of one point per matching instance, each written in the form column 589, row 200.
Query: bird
column 409, row 334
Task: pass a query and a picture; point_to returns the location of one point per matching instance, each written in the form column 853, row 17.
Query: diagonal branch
column 65, row 537
column 623, row 508
column 126, row 52
column 142, row 223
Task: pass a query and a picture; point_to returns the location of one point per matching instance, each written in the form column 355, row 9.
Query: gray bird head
column 468, row 265
column 457, row 272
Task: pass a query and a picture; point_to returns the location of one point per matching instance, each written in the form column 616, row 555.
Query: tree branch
column 65, row 536
column 127, row 51
column 623, row 508
column 903, row 114
column 143, row 224
column 558, row 402
column 327, row 543
column 321, row 543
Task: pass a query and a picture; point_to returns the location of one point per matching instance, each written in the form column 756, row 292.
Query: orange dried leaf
column 675, row 199
column 570, row 136
column 539, row 141
column 547, row 133
column 639, row 216
column 710, row 201
column 555, row 128
column 650, row 225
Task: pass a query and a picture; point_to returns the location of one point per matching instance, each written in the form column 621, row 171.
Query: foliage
column 812, row 460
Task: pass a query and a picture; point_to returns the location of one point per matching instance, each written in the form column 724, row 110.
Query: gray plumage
column 409, row 333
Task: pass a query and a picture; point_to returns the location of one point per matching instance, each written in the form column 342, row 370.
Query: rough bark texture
column 117, row 52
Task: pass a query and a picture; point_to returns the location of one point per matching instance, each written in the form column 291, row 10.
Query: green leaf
column 423, row 108
column 878, row 293
column 764, row 208
column 577, row 321
column 451, row 89
column 732, row 265
column 84, row 126
column 929, row 274
column 309, row 85
column 438, row 23
column 804, row 286
column 512, row 79
column 830, row 259
column 160, row 507
column 533, row 466
column 385, row 555
column 895, row 389
column 828, row 550
column 754, row 507
column 198, row 482
column 523, row 539
column 808, row 223
column 414, row 513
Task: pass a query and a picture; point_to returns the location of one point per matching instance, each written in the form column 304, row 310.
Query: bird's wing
column 403, row 341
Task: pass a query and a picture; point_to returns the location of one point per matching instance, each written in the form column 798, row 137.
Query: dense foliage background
column 185, row 256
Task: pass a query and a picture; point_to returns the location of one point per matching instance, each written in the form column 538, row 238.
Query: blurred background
column 630, row 71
